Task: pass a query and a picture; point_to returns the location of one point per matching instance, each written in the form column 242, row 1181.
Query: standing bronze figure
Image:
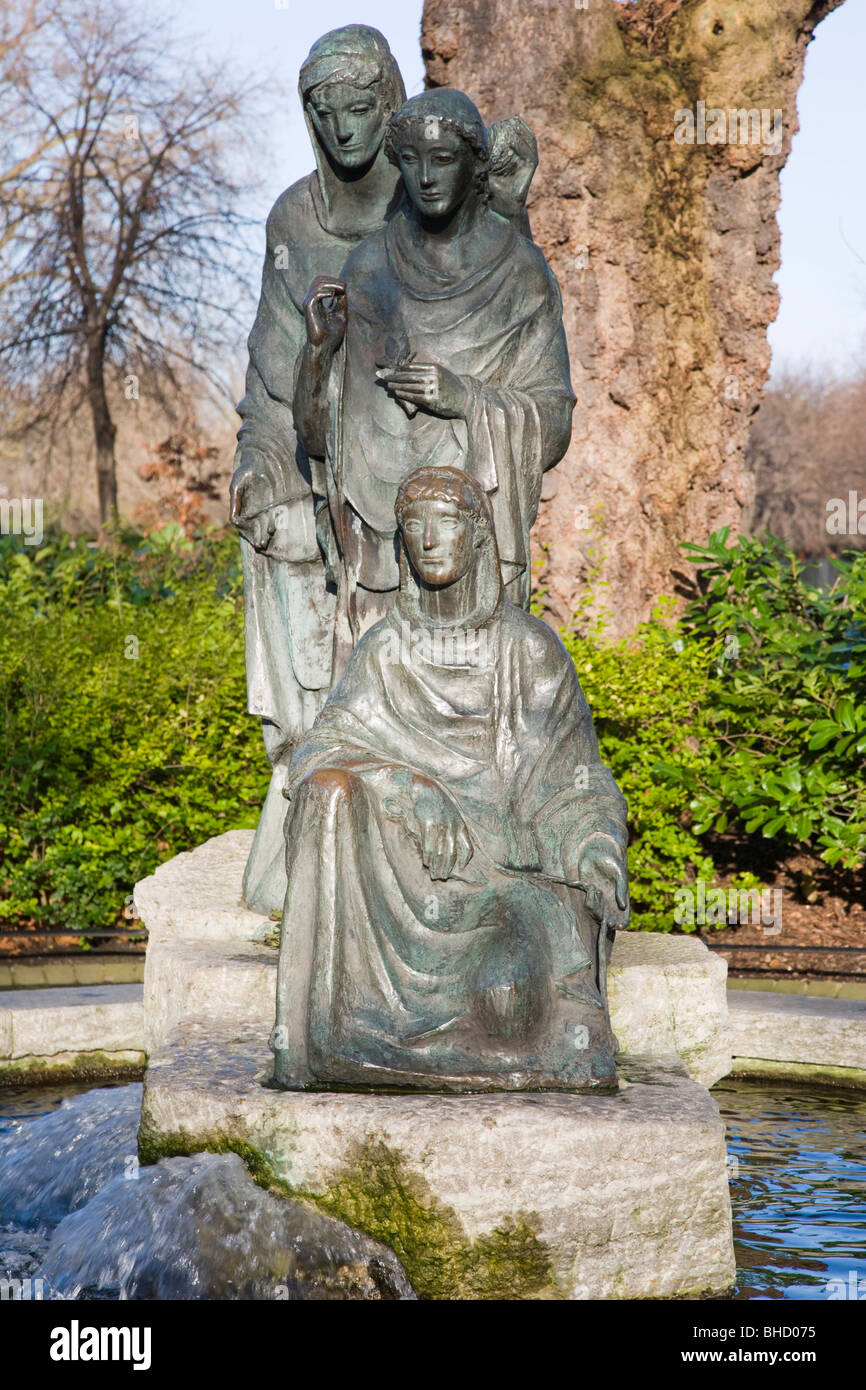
column 441, row 342
column 349, row 86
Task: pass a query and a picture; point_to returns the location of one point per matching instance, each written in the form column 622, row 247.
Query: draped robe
column 500, row 328
column 288, row 605
column 382, row 970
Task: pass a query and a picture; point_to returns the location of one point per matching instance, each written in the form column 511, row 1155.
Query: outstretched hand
column 427, row 386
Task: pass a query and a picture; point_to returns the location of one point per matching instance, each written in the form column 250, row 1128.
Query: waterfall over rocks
column 80, row 1216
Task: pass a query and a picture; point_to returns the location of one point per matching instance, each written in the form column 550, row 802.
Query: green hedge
column 126, row 738
column 746, row 717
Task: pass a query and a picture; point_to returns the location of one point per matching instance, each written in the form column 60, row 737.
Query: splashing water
column 80, row 1215
column 55, row 1163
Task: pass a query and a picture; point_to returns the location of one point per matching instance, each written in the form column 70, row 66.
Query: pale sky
column 822, row 319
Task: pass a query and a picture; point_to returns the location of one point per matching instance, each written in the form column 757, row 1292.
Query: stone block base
column 489, row 1196
column 493, row 1196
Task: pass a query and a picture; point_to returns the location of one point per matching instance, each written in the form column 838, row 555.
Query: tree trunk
column 665, row 253
column 104, row 432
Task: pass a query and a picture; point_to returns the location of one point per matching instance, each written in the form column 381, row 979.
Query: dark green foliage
column 649, row 699
column 124, row 731
column 788, row 697
column 747, row 717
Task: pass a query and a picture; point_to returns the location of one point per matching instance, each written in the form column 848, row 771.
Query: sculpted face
column 437, row 165
column 350, row 122
column 439, row 540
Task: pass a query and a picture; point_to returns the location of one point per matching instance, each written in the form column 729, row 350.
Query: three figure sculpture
column 453, row 859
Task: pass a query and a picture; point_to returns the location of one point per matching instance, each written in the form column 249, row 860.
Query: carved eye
column 408, row 156
column 361, row 110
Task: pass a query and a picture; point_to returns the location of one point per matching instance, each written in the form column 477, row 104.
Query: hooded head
column 349, row 86
column 447, row 538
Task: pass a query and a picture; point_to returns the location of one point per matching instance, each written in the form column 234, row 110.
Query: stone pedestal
column 504, row 1195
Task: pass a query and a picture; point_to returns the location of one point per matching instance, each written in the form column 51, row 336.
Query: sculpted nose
column 429, row 538
column 342, row 132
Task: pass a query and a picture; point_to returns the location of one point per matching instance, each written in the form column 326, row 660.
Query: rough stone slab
column 667, row 993
column 232, row 980
column 198, row 894
column 628, row 1193
column 830, row 989
column 668, row 998
column 95, row 1065
column 89, row 1018
column 63, row 971
column 798, row 1028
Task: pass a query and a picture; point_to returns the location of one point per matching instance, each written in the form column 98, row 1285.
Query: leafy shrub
column 125, row 737
column 123, row 718
column 648, row 696
column 747, row 716
column 789, row 698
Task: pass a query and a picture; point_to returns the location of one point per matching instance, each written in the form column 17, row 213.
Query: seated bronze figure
column 456, row 850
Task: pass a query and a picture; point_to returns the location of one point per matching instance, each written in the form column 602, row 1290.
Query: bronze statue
column 349, row 86
column 455, row 847
column 440, row 342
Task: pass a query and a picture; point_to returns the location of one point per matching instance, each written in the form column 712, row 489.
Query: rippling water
column 798, row 1189
column 68, row 1209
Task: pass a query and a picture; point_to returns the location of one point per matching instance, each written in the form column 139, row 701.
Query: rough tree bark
column 665, row 252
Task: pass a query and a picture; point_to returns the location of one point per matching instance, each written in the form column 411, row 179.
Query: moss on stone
column 763, row 1069
column 152, row 1147
column 72, row 1066
column 381, row 1197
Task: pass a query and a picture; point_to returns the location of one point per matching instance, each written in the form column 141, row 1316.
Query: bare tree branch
column 122, row 193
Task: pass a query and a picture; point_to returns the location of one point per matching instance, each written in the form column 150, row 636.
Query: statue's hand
column 513, row 161
column 250, row 496
column 444, row 839
column 325, row 312
column 428, row 387
column 599, row 868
